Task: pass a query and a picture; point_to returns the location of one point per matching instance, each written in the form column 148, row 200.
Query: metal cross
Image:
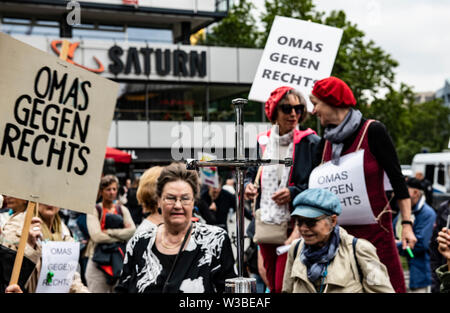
column 241, row 164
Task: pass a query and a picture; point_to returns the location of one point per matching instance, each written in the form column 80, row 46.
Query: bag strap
column 364, row 133
column 296, row 248
column 356, row 260
column 176, row 259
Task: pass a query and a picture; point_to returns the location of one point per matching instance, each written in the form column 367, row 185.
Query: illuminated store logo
column 70, row 53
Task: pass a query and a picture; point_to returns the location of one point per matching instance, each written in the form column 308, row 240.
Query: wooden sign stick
column 22, row 243
column 64, row 50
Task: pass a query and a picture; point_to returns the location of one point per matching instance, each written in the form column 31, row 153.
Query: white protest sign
column 297, row 54
column 348, row 183
column 54, row 124
column 59, row 263
column 209, row 176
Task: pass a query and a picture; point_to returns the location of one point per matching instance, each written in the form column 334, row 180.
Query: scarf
column 336, row 135
column 272, row 213
column 55, row 232
column 317, row 260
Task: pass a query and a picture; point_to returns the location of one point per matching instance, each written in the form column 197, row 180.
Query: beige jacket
column 11, row 233
column 343, row 274
column 111, row 235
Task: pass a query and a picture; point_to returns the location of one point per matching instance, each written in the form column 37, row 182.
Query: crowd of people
column 166, row 232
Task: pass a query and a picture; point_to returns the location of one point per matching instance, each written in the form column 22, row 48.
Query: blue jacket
column 419, row 266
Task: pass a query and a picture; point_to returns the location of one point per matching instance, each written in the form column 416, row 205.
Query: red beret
column 273, row 100
column 334, row 92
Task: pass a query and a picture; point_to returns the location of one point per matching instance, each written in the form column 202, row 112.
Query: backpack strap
column 99, row 211
column 296, row 248
column 119, row 209
column 356, row 259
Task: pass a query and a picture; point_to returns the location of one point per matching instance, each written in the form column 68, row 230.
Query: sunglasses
column 309, row 222
column 287, row 108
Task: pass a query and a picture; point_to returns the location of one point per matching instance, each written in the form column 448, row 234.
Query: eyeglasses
column 287, row 108
column 309, row 222
column 171, row 200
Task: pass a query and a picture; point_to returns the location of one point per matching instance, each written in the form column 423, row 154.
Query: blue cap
column 316, row 202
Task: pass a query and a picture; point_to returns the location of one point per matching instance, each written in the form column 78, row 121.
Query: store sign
column 140, row 61
column 70, row 55
column 167, row 62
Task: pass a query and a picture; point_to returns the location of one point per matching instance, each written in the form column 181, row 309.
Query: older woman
column 102, row 233
column 146, row 195
column 47, row 226
column 327, row 259
column 348, row 134
column 285, row 108
column 179, row 255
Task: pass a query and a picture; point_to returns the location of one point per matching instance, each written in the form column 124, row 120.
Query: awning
column 117, row 155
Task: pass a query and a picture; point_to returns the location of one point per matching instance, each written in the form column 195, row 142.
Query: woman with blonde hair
column 148, row 199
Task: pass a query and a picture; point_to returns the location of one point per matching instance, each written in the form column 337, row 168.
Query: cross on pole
column 241, row 164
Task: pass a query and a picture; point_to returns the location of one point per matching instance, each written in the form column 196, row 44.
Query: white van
column 435, row 167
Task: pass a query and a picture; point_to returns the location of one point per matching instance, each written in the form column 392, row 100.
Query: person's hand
column 408, row 237
column 213, row 207
column 250, row 192
column 443, row 240
column 35, row 231
column 13, row 289
column 282, row 196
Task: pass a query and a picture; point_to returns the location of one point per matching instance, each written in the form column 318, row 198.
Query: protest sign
column 346, row 181
column 53, row 128
column 209, row 175
column 59, row 263
column 297, row 54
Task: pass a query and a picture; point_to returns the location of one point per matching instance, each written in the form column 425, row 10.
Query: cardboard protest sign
column 347, row 181
column 59, row 263
column 54, row 127
column 209, row 175
column 297, row 54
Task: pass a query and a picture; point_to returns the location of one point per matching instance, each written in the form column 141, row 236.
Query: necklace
column 169, row 246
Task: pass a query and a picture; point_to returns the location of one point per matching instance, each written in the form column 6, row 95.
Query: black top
column 166, row 262
column 224, row 202
column 382, row 148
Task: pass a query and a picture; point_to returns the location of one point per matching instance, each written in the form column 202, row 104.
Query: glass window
column 221, row 108
column 131, row 102
column 441, row 175
column 176, row 102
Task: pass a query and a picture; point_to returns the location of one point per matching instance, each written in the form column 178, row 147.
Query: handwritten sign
column 297, row 54
column 54, row 127
column 346, row 181
column 59, row 263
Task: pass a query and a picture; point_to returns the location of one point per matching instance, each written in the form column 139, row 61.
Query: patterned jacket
column 203, row 266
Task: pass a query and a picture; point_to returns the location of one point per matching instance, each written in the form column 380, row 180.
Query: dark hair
column 285, row 97
column 107, row 180
column 175, row 172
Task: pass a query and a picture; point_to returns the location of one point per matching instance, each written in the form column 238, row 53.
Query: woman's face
column 109, row 194
column 177, row 203
column 320, row 232
column 326, row 113
column 48, row 211
column 15, row 204
column 288, row 121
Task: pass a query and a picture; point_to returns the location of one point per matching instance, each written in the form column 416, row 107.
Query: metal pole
column 239, row 155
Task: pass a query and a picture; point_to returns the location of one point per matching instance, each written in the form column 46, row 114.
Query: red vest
column 381, row 237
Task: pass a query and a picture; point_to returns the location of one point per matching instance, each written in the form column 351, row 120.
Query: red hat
column 275, row 97
column 334, row 91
